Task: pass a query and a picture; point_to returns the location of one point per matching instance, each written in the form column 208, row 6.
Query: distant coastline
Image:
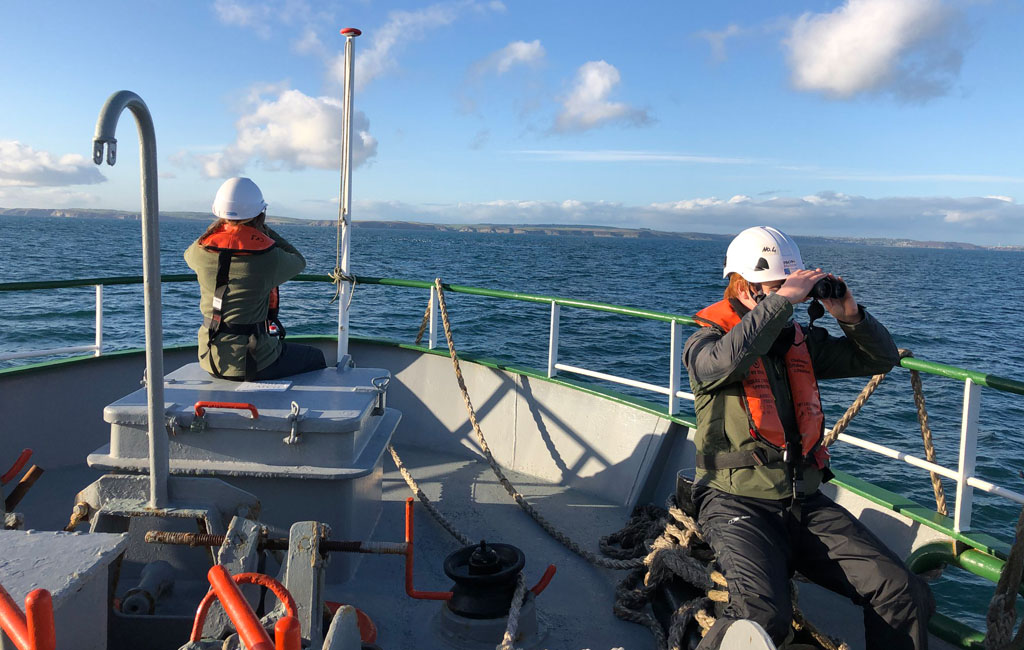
column 555, row 230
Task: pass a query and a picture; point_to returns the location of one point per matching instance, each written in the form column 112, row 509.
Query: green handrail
column 996, row 382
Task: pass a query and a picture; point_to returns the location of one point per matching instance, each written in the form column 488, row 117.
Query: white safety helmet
column 762, row 254
column 238, row 199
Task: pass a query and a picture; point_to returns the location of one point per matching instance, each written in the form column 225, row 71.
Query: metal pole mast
column 345, row 199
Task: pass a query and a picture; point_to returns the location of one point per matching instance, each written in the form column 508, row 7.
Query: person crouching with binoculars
column 754, row 375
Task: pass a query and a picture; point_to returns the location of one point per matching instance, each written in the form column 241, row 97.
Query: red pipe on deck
column 225, row 588
column 545, row 579
column 287, row 635
column 237, row 608
column 32, row 630
column 409, row 589
column 200, row 407
column 16, row 467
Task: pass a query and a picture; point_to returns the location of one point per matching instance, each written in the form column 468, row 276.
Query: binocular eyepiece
column 826, row 288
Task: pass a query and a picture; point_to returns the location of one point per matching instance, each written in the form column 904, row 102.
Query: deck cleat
column 476, row 615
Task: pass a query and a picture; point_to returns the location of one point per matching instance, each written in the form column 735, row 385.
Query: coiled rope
column 679, row 550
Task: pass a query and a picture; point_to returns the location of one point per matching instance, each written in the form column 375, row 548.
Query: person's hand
column 845, row 309
column 799, row 284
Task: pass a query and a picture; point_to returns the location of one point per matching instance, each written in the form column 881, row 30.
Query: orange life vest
column 242, row 239
column 766, row 426
column 229, row 242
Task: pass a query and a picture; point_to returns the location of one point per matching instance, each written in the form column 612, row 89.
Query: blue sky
column 869, row 118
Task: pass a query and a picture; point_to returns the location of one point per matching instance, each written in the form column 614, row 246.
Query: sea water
column 960, row 307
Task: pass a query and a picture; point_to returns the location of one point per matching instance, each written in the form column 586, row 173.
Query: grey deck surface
column 575, row 609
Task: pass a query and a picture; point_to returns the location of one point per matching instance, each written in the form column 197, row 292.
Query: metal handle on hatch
column 201, row 407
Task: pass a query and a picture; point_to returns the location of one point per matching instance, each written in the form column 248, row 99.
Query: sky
column 863, row 118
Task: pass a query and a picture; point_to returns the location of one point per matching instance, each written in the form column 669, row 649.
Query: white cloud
column 402, row 28
column 309, row 43
column 617, row 155
column 909, row 48
column 23, row 166
column 587, row 106
column 46, row 197
column 515, row 53
column 255, row 16
column 291, row 130
column 717, row 40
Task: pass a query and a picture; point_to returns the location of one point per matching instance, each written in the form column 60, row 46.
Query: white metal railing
column 96, row 348
column 675, row 358
column 964, row 476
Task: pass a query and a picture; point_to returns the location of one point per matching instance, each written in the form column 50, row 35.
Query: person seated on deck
column 240, row 262
column 754, row 376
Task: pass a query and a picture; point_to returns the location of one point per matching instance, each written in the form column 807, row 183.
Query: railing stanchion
column 433, row 319
column 968, row 453
column 99, row 320
column 674, row 361
column 553, row 339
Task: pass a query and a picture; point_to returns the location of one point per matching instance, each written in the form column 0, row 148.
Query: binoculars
column 826, row 288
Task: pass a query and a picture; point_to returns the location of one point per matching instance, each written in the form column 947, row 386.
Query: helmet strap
column 760, row 295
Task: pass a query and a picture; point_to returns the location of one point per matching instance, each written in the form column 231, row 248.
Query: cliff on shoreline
column 555, row 230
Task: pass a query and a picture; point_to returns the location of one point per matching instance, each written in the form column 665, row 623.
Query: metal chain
column 485, row 448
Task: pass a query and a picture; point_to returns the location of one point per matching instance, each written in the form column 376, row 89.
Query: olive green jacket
column 249, row 283
column 718, row 362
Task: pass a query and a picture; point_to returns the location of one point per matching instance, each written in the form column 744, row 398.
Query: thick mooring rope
column 1002, row 611
column 512, row 629
column 485, row 448
column 434, row 512
column 679, row 551
column 423, row 323
column 922, row 418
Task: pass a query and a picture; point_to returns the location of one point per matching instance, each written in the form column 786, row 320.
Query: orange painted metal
column 31, row 631
column 367, row 628
column 39, row 620
column 544, row 581
column 16, row 467
column 224, row 587
column 13, row 621
column 200, row 407
column 237, row 608
column 287, row 635
column 409, row 589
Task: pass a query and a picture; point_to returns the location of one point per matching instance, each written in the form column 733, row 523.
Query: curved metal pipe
column 106, row 124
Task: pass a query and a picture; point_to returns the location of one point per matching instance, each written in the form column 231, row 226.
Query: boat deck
column 574, row 612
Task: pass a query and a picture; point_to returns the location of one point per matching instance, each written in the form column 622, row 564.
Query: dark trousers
column 294, row 359
column 759, row 544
